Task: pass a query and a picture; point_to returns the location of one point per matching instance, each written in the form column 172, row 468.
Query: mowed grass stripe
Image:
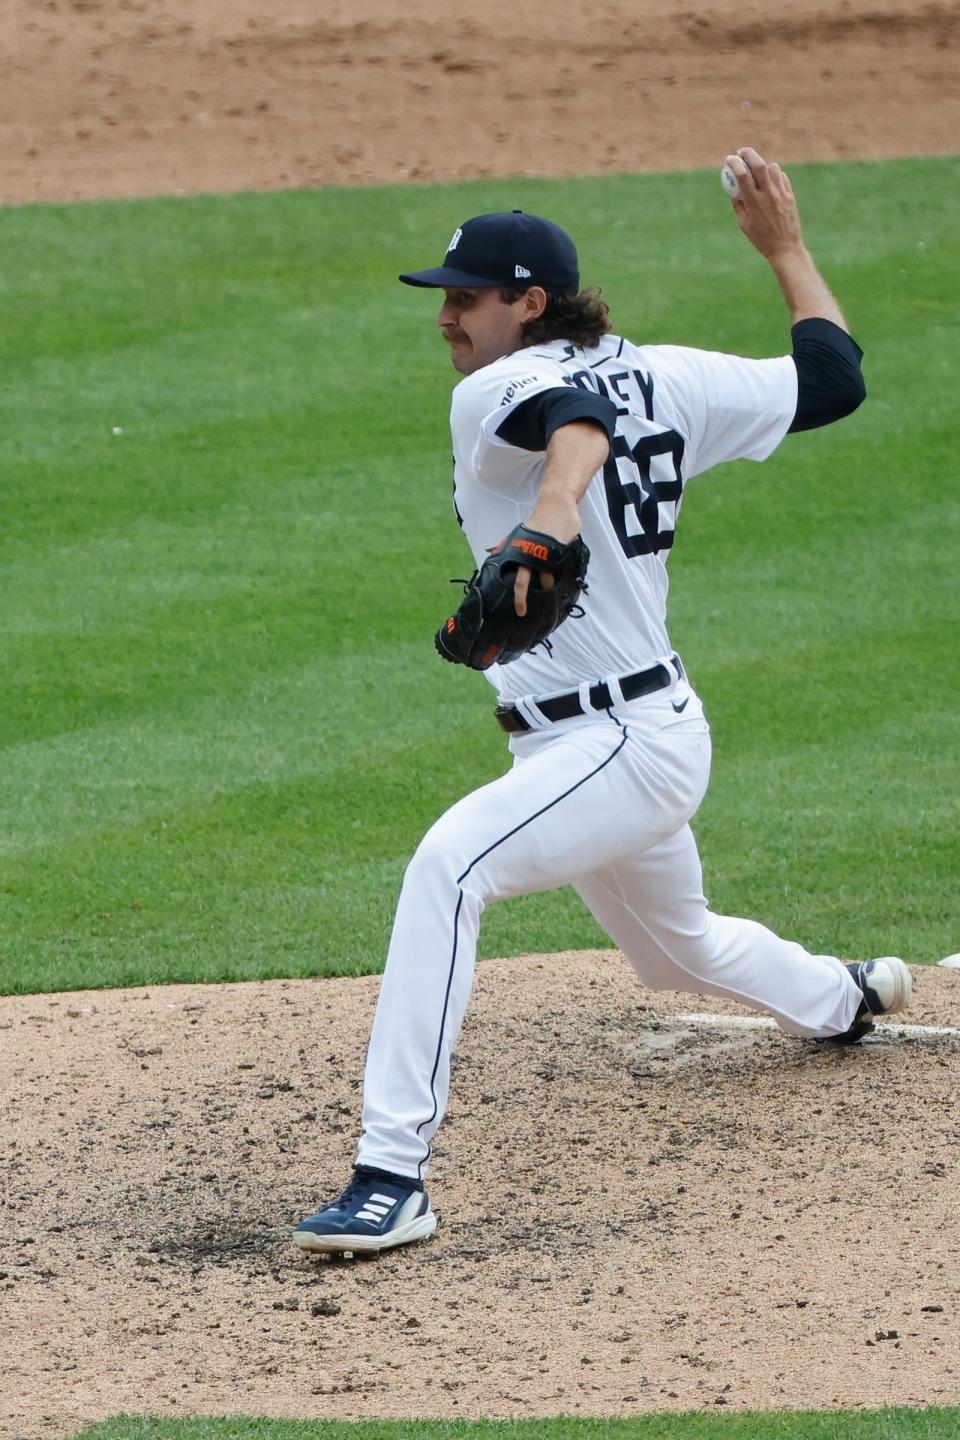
column 224, row 727
column 891, row 1424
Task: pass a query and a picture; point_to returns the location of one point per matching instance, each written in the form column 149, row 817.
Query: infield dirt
column 125, row 97
column 636, row 1213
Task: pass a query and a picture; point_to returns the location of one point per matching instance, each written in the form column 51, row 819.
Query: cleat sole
column 311, row 1243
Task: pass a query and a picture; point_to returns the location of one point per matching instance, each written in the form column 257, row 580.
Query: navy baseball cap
column 503, row 249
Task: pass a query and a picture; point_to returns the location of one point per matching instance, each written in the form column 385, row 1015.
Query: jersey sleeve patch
column 481, row 400
column 515, row 388
column 531, row 422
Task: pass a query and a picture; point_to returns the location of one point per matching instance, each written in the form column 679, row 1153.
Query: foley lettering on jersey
column 627, row 387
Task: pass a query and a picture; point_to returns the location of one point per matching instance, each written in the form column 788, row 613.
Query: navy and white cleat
column 376, row 1211
column 886, row 987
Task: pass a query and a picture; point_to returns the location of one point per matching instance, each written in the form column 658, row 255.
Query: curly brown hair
column 581, row 318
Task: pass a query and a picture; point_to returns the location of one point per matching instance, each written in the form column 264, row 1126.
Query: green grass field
column 226, row 542
column 897, row 1424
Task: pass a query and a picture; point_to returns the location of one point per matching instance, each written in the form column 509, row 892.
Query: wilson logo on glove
column 486, row 627
column 537, row 552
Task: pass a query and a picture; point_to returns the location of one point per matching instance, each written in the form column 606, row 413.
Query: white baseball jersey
column 679, row 412
column 603, row 800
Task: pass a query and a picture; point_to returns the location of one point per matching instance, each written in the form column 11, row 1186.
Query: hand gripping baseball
column 486, row 629
column 764, row 201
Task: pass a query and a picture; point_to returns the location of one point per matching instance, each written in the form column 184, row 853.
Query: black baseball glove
column 486, row 628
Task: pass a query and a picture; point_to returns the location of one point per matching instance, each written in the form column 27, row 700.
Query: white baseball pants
column 603, row 803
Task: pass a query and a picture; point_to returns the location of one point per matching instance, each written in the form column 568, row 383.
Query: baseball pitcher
column 573, row 448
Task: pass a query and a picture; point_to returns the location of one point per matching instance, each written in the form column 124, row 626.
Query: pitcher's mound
column 638, row 1211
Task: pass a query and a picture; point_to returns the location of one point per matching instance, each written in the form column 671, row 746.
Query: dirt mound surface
column 640, row 1210
column 99, row 98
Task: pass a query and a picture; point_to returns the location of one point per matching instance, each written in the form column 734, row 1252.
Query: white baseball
column 730, row 182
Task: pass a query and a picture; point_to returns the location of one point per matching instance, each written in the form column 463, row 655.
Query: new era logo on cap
column 501, row 249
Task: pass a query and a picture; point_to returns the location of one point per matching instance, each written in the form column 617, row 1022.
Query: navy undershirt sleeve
column 530, row 424
column 829, row 379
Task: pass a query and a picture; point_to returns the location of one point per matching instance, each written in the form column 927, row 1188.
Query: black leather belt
column 565, row 707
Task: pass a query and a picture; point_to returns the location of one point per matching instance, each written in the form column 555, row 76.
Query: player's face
column 479, row 327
